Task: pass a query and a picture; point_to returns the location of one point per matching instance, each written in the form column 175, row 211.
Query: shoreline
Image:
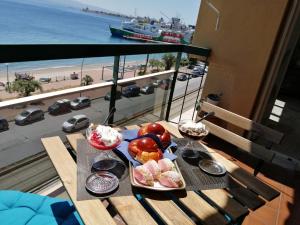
column 61, row 71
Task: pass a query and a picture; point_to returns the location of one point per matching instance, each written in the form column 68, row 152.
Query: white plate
column 157, row 186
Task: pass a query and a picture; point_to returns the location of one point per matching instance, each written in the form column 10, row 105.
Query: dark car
column 191, row 66
column 198, row 71
column 3, row 124
column 80, row 102
column 29, row 115
column 60, row 107
column 183, row 77
column 165, row 84
column 45, row 79
column 147, row 89
column 131, row 91
column 118, row 96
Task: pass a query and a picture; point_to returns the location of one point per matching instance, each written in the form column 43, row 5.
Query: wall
column 241, row 47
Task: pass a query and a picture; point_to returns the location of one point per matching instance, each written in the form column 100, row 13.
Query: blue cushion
column 18, row 208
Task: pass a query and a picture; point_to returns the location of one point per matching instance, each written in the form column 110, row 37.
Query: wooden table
column 212, row 207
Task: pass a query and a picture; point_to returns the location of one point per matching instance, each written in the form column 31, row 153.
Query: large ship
column 173, row 32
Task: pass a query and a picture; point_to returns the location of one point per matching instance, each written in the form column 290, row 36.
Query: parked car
column 165, row 84
column 60, row 107
column 80, row 102
column 198, row 71
column 76, row 123
column 131, row 91
column 156, row 83
column 183, row 77
column 2, row 84
column 118, row 96
column 147, row 89
column 45, row 79
column 29, row 115
column 3, row 124
column 191, row 66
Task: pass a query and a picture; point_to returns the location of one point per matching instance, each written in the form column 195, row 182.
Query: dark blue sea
column 49, row 24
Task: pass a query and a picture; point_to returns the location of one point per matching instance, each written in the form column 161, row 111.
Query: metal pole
column 7, row 77
column 123, row 67
column 183, row 101
column 102, row 71
column 177, row 65
column 199, row 88
column 147, row 60
column 81, row 72
column 113, row 92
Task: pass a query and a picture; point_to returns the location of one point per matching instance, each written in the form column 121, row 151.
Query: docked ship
column 173, row 32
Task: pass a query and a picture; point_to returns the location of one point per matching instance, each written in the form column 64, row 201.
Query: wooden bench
column 253, row 128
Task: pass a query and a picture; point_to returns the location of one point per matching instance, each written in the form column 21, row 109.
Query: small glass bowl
column 190, row 133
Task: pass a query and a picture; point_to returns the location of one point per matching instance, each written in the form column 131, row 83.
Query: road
column 20, row 142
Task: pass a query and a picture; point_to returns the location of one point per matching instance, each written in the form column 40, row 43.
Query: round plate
column 102, row 182
column 212, row 167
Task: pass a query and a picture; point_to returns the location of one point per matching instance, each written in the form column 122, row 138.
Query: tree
column 155, row 63
column 25, row 87
column 184, row 62
column 142, row 70
column 87, row 80
column 168, row 60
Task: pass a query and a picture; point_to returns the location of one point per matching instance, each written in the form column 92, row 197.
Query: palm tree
column 155, row 63
column 184, row 62
column 168, row 60
column 87, row 80
column 24, row 87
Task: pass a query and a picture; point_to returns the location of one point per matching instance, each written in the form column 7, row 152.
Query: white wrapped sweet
column 108, row 135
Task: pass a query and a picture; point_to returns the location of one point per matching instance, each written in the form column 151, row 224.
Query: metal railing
column 23, row 53
column 35, row 166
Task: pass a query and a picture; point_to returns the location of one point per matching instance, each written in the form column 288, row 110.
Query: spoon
column 112, row 111
column 206, row 115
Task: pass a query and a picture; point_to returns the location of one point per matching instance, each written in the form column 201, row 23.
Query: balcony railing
column 16, row 156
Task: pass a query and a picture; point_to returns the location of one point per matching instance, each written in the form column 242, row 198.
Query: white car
column 75, row 123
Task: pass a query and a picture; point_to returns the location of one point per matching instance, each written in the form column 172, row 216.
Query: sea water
column 22, row 23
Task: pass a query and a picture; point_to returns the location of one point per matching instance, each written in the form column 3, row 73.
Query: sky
column 187, row 10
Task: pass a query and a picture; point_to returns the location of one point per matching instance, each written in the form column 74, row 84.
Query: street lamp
column 7, row 77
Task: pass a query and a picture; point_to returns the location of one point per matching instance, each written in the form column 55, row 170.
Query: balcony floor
column 283, row 209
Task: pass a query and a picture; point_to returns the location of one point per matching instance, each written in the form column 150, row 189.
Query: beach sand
column 60, row 77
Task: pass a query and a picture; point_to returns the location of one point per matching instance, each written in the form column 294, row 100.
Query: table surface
column 212, row 207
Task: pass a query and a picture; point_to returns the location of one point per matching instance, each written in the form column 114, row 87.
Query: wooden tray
column 157, row 186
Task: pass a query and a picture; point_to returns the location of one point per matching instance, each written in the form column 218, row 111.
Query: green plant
column 168, row 60
column 184, row 62
column 87, row 80
column 24, row 87
column 156, row 64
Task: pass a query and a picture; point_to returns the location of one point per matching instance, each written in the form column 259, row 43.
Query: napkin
column 132, row 134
